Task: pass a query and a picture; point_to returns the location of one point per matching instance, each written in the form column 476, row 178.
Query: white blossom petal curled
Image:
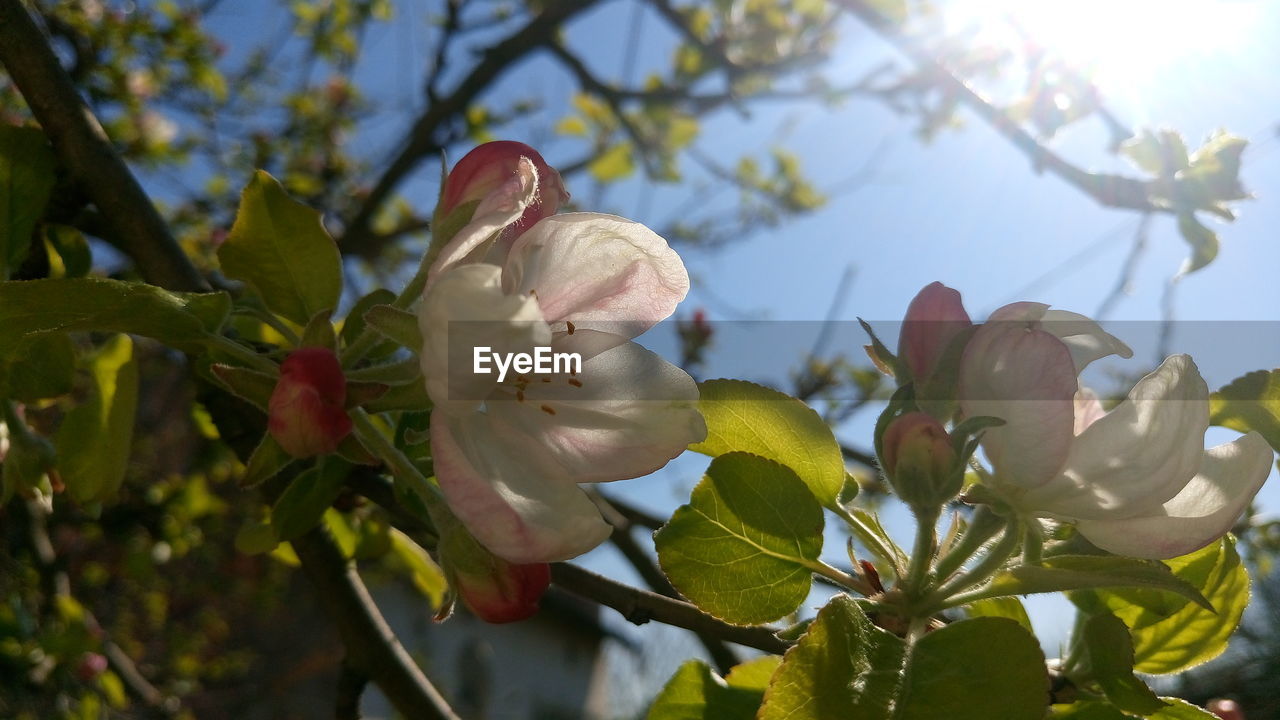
column 1140, row 454
column 1203, row 511
column 597, row 271
column 504, row 486
column 499, row 209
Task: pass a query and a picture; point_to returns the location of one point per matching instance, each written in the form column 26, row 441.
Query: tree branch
column 373, row 649
column 423, row 138
column 641, row 606
column 84, row 148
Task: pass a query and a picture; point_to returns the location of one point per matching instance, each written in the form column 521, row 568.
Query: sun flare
column 1122, row 44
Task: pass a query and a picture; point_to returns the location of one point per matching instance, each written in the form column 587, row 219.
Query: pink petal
column 934, row 317
column 597, row 271
column 510, row 493
column 1024, row 376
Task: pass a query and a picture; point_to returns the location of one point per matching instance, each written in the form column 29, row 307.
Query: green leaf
column 42, row 366
column 1077, row 572
column 353, row 325
column 696, row 692
column 399, row 326
column 1171, row 634
column 1086, row 710
column 1203, row 241
column 845, row 667
column 255, row 538
column 279, row 247
column 303, row 503
column 26, row 180
column 251, row 386
column 319, row 332
column 1105, row 651
column 743, row 416
column 743, row 548
column 95, row 437
column 1002, row 607
column 427, row 576
column 1250, row 402
column 72, row 251
column 1179, row 709
column 267, row 460
column 182, row 320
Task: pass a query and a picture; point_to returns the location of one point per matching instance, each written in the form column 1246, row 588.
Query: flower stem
column 840, row 577
column 246, row 355
column 922, row 552
column 872, row 540
column 981, row 572
column 368, row 337
column 402, row 468
column 983, row 527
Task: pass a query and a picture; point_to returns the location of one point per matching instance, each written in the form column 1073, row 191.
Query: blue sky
column 966, row 209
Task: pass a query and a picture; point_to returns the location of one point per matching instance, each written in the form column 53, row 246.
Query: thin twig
column 85, row 150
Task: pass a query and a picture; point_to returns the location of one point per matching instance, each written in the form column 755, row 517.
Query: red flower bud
column 919, row 459
column 91, row 665
column 487, row 167
column 505, row 592
column 934, row 318
column 495, row 590
column 307, row 413
column 1226, row 709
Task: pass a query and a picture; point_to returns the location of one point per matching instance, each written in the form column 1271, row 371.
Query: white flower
column 509, row 456
column 1136, row 481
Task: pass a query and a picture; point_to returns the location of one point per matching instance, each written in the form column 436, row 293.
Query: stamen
column 547, row 409
column 575, row 382
column 520, row 396
column 570, row 325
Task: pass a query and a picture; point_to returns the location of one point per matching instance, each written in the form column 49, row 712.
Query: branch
column 1108, row 190
column 373, row 650
column 84, row 148
column 422, row 139
column 640, row 606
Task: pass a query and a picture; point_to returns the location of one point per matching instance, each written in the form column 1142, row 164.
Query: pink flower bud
column 307, row 413
column 920, row 461
column 505, row 592
column 91, row 665
column 1226, row 709
column 934, row 318
column 485, row 169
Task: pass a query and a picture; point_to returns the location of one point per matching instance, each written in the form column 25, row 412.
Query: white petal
column 1084, row 337
column 510, row 494
column 1024, row 376
column 1088, row 409
column 1138, row 455
column 1206, row 509
column 497, row 210
column 625, row 415
column 597, row 271
column 464, row 310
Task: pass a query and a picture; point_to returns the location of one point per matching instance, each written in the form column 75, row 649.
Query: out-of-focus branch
column 640, row 606
column 1106, row 189
column 644, row 564
column 83, row 147
column 423, row 139
column 373, row 649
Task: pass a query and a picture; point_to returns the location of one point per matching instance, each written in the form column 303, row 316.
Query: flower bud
column 307, row 413
column 1226, row 709
column 920, row 461
column 495, row 590
column 90, row 666
column 934, row 318
column 487, row 167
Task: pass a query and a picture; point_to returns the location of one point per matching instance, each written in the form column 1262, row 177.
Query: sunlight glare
column 1122, row 44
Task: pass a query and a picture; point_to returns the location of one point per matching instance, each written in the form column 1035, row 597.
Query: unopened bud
column 495, row 590
column 934, row 318
column 486, row 168
column 920, row 461
column 90, row 666
column 307, row 412
column 1226, row 709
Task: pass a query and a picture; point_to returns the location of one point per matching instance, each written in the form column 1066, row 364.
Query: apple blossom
column 509, row 455
column 306, row 413
column 1136, row 480
column 920, row 461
